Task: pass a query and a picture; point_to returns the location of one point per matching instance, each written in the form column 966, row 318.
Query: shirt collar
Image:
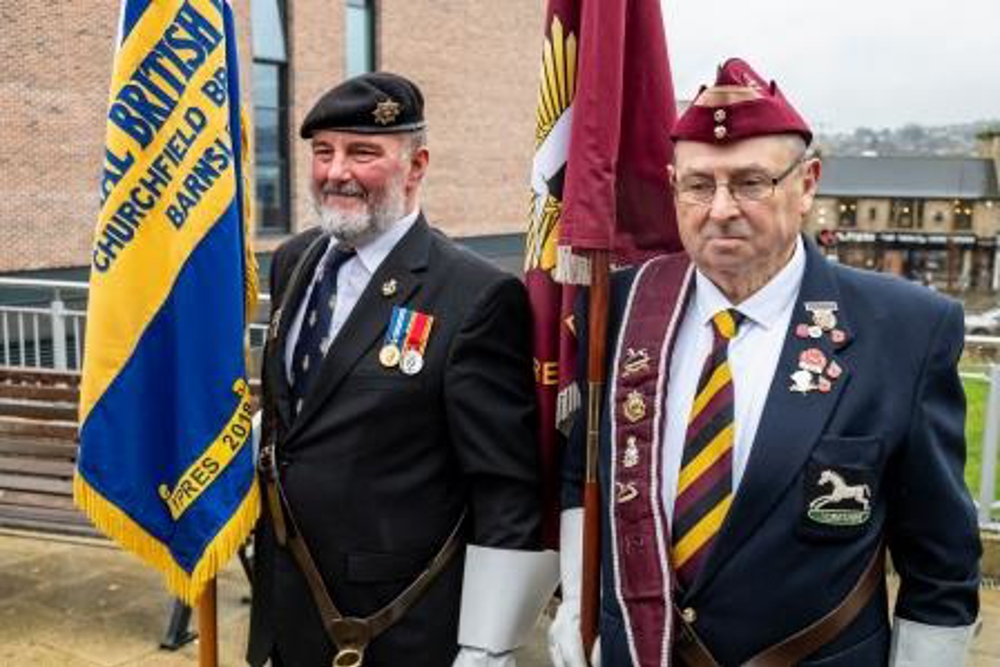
column 765, row 306
column 373, row 253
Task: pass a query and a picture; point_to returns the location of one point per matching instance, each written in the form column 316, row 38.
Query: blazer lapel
column 292, row 294
column 792, row 421
column 369, row 318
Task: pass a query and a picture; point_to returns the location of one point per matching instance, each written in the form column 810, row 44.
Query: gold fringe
column 251, row 282
column 114, row 523
column 571, row 269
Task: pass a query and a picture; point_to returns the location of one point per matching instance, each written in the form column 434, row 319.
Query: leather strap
column 351, row 635
column 795, row 648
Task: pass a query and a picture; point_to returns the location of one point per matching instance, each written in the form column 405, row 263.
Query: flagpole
column 208, row 644
column 597, row 336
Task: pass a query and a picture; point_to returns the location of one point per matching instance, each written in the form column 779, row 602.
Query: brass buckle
column 352, row 636
column 349, row 657
column 267, row 463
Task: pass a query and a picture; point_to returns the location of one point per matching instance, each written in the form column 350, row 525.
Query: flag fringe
column 118, row 526
column 251, row 279
column 571, row 269
column 567, row 405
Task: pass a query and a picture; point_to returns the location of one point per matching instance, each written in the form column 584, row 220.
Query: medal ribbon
column 397, row 324
column 419, row 331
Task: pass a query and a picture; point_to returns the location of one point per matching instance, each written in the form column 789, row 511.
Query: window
column 270, row 106
column 962, row 214
column 847, row 212
column 906, row 213
column 872, row 213
column 359, row 37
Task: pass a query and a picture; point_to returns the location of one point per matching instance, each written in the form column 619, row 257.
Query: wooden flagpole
column 590, row 594
column 208, row 643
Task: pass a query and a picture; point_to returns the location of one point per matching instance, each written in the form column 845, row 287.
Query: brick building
column 477, row 63
column 931, row 219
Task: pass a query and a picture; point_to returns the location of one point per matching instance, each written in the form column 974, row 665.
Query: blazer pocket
column 840, row 484
column 369, row 567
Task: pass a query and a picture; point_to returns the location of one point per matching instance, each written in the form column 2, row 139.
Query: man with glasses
column 773, row 423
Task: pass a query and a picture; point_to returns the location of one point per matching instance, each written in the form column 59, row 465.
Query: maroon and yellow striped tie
column 705, row 481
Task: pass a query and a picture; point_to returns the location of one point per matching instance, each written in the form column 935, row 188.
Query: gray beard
column 356, row 228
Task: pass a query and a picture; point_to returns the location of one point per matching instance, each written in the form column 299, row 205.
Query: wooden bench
column 38, row 447
column 38, row 443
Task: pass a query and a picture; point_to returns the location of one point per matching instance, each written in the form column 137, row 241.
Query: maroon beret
column 740, row 105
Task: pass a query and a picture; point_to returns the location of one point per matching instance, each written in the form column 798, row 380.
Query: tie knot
column 727, row 322
column 336, row 259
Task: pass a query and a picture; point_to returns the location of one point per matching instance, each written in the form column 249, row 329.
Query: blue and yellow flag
column 165, row 465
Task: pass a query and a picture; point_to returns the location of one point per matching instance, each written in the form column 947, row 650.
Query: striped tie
column 705, row 482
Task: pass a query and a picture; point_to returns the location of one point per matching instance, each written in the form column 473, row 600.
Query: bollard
column 988, row 469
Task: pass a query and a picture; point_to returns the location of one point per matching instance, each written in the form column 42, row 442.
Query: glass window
column 270, row 106
column 963, row 214
column 359, row 37
column 848, row 213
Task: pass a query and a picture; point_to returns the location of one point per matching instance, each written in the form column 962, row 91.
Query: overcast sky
column 849, row 63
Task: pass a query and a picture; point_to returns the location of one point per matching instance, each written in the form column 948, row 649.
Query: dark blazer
column 895, row 421
column 379, row 465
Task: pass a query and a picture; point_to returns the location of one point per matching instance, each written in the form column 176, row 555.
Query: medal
column 411, row 363
column 417, row 333
column 388, row 356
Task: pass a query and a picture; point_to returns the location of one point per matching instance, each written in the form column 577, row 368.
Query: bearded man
column 397, row 458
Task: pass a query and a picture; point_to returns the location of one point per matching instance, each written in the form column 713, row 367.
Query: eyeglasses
column 744, row 187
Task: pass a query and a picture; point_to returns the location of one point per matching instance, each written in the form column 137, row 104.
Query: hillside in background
column 907, row 140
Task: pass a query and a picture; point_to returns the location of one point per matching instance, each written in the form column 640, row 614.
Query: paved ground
column 79, row 603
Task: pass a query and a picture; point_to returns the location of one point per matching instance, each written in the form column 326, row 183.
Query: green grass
column 976, row 394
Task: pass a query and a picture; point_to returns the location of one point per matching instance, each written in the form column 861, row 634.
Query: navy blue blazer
column 893, row 421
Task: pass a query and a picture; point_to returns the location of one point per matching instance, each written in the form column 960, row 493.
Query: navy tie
column 314, row 336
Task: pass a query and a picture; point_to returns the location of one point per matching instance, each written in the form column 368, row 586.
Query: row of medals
column 410, row 362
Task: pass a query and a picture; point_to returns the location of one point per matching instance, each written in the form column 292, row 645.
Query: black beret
column 371, row 103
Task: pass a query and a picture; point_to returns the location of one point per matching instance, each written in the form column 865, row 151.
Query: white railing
column 39, row 330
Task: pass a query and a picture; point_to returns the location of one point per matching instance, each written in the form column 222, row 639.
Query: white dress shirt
column 753, row 359
column 352, row 279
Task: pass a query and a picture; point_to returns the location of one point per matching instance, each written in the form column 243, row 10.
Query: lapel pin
column 802, row 382
column 838, row 337
column 824, row 385
column 802, row 331
column 834, row 370
column 812, row 360
column 389, row 287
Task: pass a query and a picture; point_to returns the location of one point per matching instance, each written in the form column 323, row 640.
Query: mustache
column 348, row 189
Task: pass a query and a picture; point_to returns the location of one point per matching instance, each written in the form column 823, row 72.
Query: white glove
column 565, row 641
column 477, row 657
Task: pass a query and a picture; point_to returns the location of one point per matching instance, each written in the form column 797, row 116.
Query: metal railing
column 44, row 326
column 43, row 323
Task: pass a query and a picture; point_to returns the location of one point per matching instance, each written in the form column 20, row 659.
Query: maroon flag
column 599, row 182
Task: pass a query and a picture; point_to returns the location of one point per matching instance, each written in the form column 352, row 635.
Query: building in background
column 477, row 63
column 935, row 220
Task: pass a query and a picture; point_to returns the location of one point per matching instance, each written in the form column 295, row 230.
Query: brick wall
column 476, row 61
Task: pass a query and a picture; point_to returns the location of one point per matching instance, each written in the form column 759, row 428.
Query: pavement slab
column 77, row 602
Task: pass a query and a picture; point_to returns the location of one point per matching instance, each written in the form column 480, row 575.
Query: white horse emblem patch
column 844, row 505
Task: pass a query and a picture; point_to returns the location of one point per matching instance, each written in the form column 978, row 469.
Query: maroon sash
column 640, row 539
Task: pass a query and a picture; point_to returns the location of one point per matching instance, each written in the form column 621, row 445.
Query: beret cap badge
column 386, row 112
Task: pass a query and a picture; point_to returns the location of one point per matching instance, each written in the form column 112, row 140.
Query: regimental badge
column 636, row 361
column 386, row 112
column 626, row 492
column 823, row 313
column 631, row 458
column 389, row 287
column 838, row 497
column 635, row 406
